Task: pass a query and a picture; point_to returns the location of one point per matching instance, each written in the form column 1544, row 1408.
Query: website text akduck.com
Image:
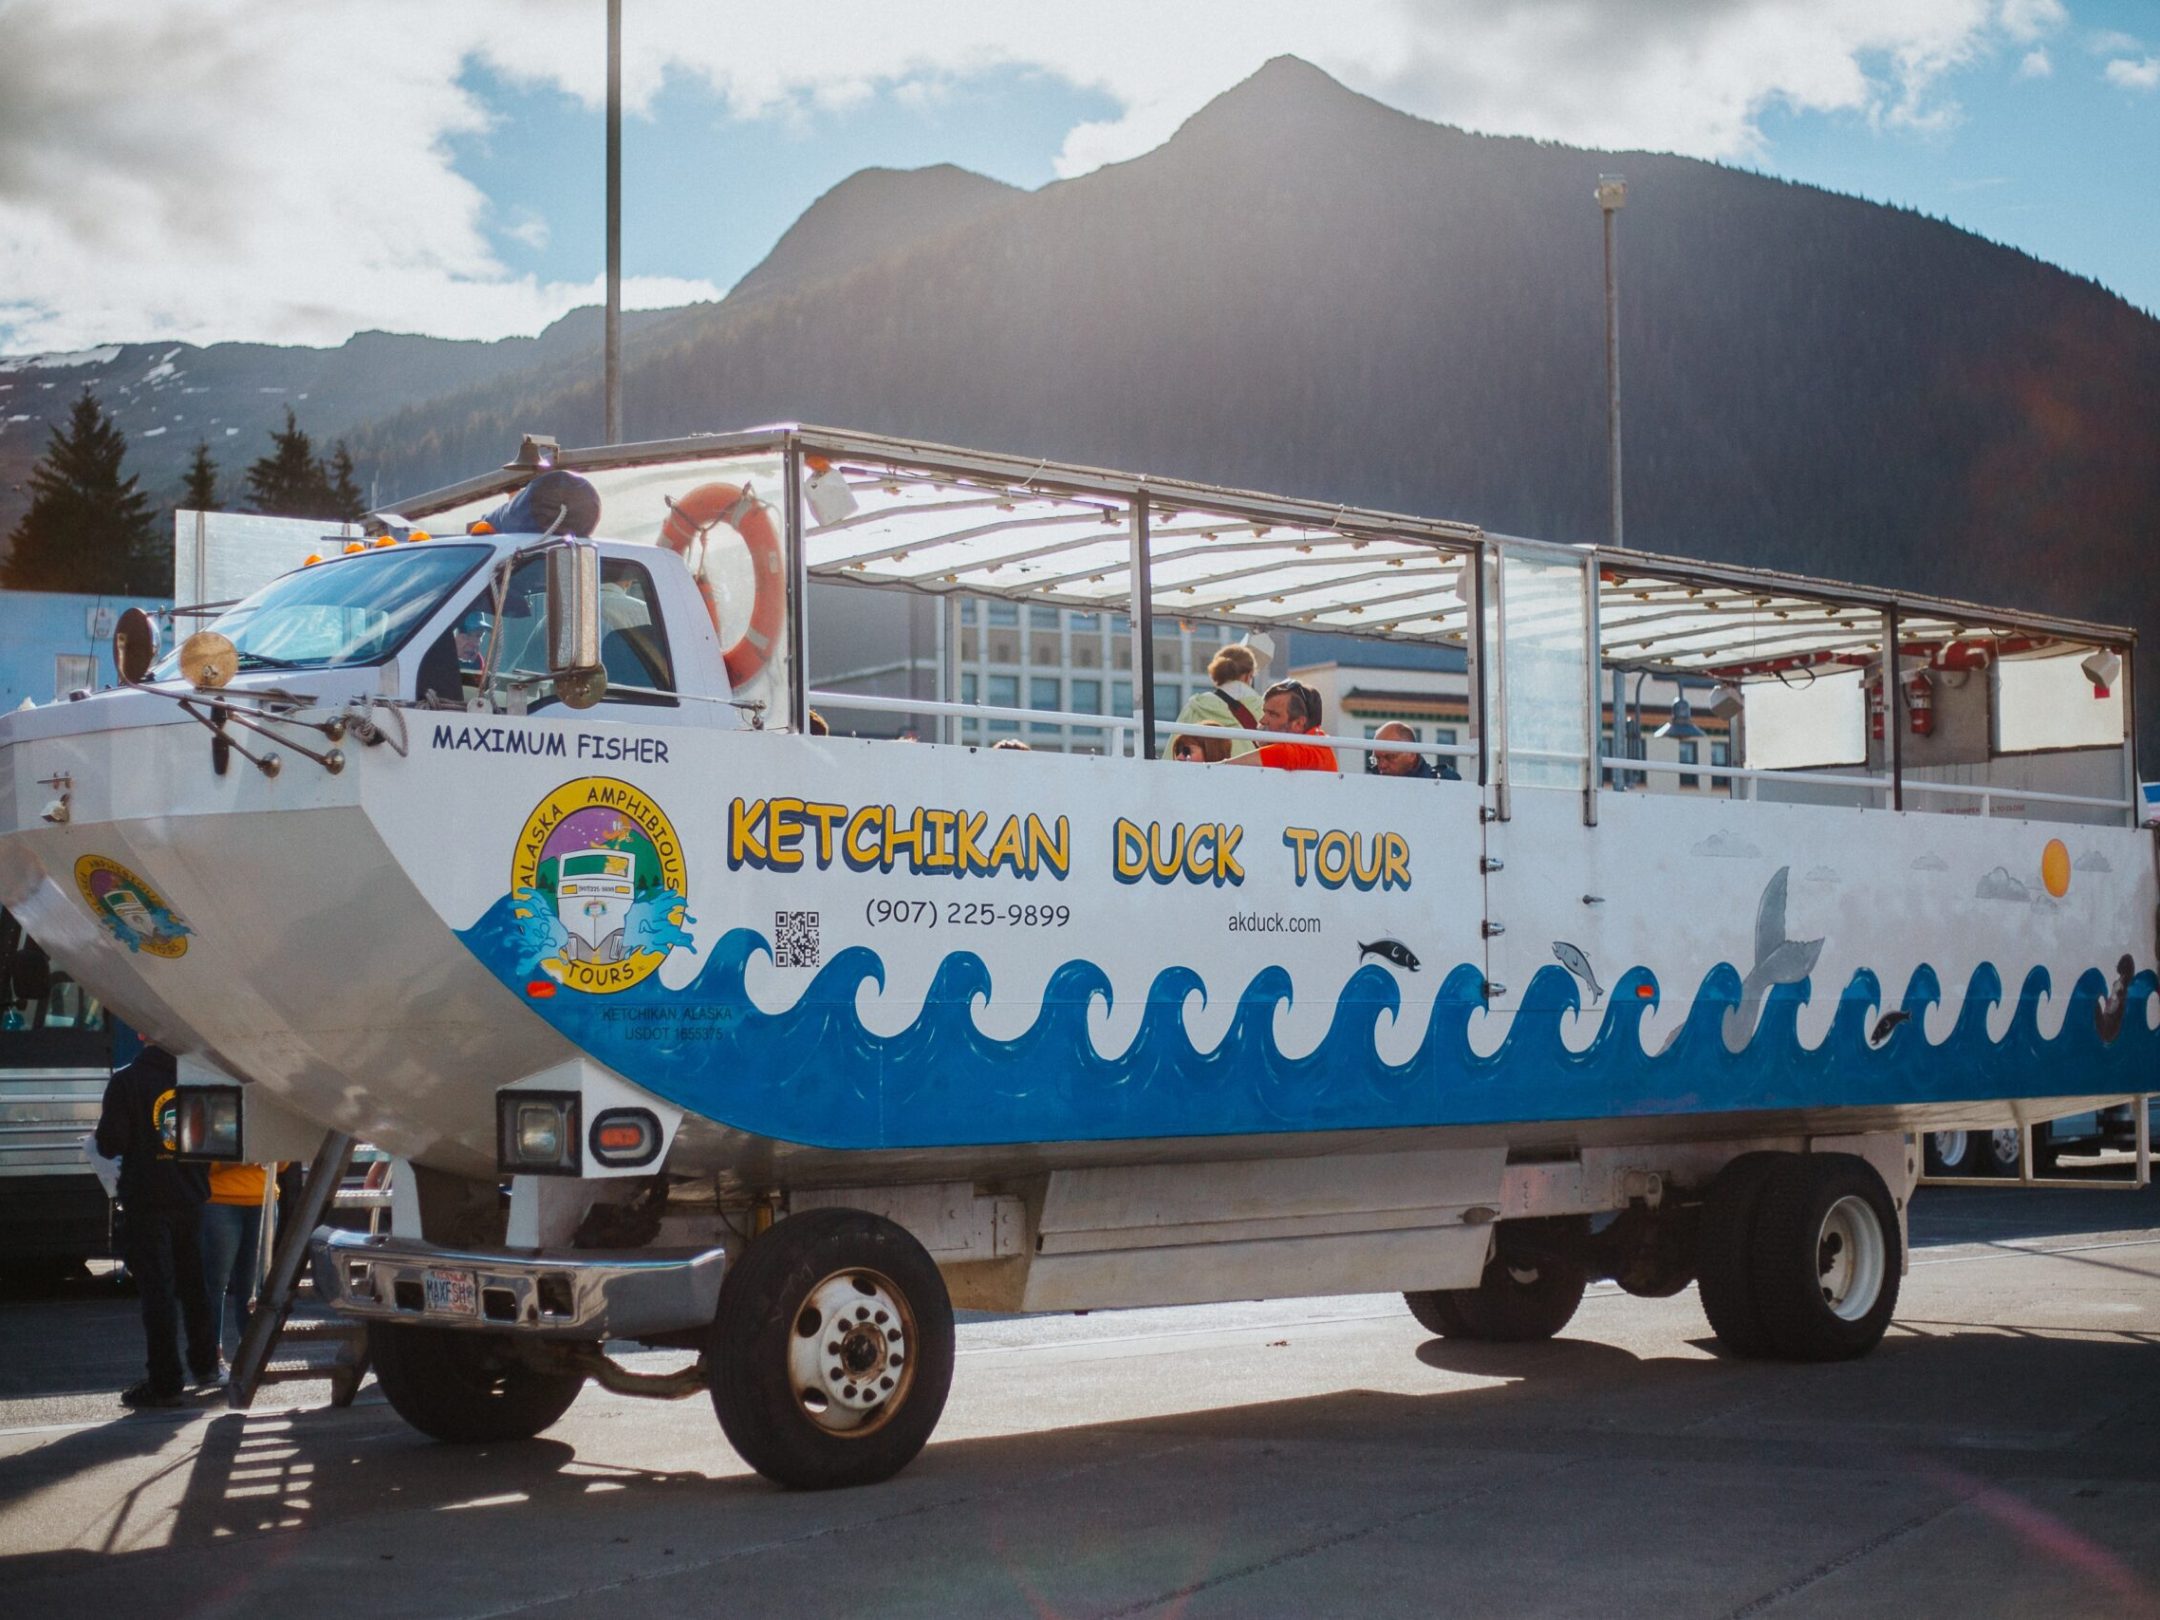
column 1252, row 922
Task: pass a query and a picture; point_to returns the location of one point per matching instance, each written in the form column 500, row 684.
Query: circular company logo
column 600, row 862
column 133, row 913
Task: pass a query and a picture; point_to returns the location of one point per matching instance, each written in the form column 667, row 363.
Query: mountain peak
column 869, row 214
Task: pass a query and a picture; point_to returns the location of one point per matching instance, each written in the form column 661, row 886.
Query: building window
column 1690, row 753
column 1086, row 696
column 1090, row 622
column 967, row 611
column 74, row 672
column 1043, row 618
column 1721, row 754
column 1004, row 613
column 1121, row 697
column 1005, row 691
column 1042, row 692
column 967, row 686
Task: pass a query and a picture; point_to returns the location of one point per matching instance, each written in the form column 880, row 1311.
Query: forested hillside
column 1305, row 291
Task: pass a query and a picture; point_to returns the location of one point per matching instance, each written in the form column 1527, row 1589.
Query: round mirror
column 581, row 688
column 134, row 646
column 208, row 660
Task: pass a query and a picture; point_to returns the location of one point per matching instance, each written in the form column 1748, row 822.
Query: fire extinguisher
column 1875, row 707
column 1920, row 703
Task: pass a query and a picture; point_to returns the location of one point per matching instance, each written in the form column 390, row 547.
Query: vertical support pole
column 1143, row 629
column 949, row 665
column 612, row 361
column 1502, row 808
column 1893, row 710
column 1479, row 708
column 798, row 664
column 1593, row 655
column 2131, row 780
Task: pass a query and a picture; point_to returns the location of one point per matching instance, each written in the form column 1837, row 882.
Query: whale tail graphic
column 1778, row 960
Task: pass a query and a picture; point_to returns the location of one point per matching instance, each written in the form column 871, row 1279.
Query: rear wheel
column 832, row 1350
column 1827, row 1257
column 456, row 1385
column 1949, row 1153
column 1999, row 1152
column 1517, row 1300
column 1724, row 1257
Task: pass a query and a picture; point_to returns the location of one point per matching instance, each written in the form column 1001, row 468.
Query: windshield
column 351, row 610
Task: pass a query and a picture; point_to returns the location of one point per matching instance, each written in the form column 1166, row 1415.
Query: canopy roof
column 929, row 517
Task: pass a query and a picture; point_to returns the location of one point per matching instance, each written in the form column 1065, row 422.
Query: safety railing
column 1986, row 793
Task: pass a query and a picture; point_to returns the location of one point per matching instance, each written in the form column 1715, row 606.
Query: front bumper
column 586, row 1294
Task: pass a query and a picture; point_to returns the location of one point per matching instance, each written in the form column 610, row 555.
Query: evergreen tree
column 87, row 529
column 289, row 481
column 200, row 492
column 346, row 501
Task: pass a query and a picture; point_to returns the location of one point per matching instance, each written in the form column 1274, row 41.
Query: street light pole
column 1611, row 198
column 612, row 358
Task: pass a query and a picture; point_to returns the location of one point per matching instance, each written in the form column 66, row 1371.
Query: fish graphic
column 1778, row 960
column 2108, row 1014
column 1885, row 1024
column 1391, row 950
column 1572, row 958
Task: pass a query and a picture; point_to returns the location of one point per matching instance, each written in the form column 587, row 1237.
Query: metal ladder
column 269, row 1324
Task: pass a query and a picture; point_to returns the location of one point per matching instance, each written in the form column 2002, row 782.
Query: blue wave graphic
column 813, row 1074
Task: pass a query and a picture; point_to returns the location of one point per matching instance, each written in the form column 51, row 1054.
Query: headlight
column 536, row 1133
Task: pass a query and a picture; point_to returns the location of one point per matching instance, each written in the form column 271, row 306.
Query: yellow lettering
column 1333, row 860
column 1010, row 847
column 1130, row 859
column 744, row 840
column 1395, row 865
column 1227, row 869
column 859, row 855
column 1049, row 849
column 824, row 817
column 1300, row 841
column 896, row 839
column 785, row 821
column 937, row 840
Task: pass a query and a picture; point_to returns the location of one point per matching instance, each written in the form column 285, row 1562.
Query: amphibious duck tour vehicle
column 503, row 839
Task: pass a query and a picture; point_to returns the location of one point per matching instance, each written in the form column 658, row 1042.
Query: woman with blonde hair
column 1234, row 702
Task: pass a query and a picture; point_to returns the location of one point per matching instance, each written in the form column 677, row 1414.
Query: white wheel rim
column 1950, row 1148
column 2008, row 1148
column 1850, row 1258
column 851, row 1357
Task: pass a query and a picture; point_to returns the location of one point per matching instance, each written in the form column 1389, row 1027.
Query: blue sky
column 295, row 174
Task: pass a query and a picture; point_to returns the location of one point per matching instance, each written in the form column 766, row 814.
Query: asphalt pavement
column 1998, row 1455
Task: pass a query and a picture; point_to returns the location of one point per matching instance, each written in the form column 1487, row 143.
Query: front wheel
column 462, row 1386
column 1517, row 1301
column 832, row 1350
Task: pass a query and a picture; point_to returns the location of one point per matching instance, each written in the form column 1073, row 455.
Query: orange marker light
column 311, row 559
column 386, row 540
column 352, row 546
column 420, row 534
column 479, row 526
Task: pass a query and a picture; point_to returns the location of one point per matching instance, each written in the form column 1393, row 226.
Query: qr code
column 795, row 939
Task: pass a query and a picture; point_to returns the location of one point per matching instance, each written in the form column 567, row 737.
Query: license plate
column 452, row 1293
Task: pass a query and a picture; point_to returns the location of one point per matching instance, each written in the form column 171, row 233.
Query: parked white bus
column 861, row 1030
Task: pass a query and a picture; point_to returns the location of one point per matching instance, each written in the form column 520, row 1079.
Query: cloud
column 1725, row 845
column 1930, row 862
column 2131, row 75
column 2093, row 861
column 2036, row 64
column 2000, row 885
column 529, row 228
column 253, row 168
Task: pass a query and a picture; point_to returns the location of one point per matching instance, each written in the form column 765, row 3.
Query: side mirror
column 134, row 646
column 573, row 623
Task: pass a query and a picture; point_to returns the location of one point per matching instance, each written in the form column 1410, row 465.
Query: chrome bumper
column 583, row 1294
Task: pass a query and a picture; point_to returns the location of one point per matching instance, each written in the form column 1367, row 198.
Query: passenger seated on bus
column 1397, row 762
column 1231, row 704
column 1011, row 745
column 1193, row 750
column 1291, row 706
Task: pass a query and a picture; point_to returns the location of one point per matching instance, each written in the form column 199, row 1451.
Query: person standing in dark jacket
column 163, row 1199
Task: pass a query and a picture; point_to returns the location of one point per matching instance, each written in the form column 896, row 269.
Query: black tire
column 1997, row 1152
column 461, row 1386
column 1724, row 1255
column 1517, row 1301
column 1827, row 1257
column 1949, row 1153
column 783, row 1286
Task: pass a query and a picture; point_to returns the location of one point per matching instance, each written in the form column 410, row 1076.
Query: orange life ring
column 690, row 519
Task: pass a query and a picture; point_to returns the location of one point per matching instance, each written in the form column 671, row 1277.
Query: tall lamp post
column 1611, row 198
column 612, row 341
